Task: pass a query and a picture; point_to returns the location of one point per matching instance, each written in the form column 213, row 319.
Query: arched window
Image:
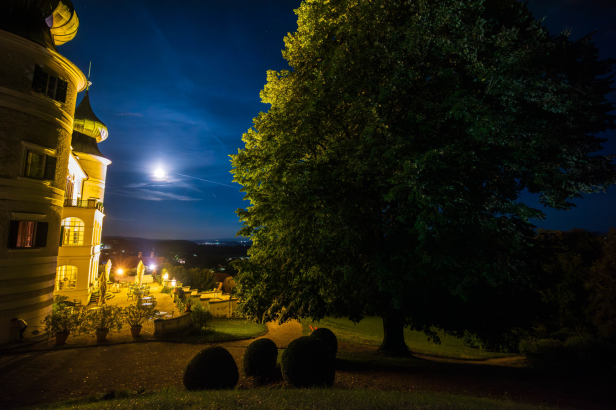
column 73, row 231
column 66, row 277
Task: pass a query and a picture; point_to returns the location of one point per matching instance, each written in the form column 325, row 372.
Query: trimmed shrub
column 307, row 362
column 260, row 358
column 328, row 338
column 212, row 368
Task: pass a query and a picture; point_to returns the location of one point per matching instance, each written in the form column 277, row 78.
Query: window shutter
column 61, row 91
column 61, row 235
column 50, row 168
column 40, row 240
column 13, row 233
column 39, row 81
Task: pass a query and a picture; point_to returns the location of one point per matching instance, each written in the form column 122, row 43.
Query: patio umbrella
column 102, row 287
column 140, row 270
column 108, row 268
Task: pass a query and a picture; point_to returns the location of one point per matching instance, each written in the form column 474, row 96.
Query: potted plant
column 135, row 315
column 103, row 319
column 63, row 320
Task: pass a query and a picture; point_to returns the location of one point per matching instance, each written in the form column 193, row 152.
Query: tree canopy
column 385, row 177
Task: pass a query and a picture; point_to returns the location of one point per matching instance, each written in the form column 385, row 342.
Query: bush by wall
column 212, row 368
column 307, row 363
column 200, row 315
column 328, row 338
column 578, row 354
column 260, row 358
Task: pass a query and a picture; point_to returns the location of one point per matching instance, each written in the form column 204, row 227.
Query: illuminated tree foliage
column 385, row 177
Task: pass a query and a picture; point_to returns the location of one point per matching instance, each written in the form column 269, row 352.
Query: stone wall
column 163, row 327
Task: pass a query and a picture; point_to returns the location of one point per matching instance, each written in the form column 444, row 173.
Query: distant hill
column 193, row 254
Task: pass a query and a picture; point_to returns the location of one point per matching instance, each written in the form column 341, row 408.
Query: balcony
column 84, row 203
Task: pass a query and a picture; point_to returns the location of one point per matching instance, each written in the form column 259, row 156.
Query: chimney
column 140, row 254
column 151, row 254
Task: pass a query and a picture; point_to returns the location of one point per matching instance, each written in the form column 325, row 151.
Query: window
column 96, row 234
column 72, row 231
column 49, row 85
column 66, row 277
column 27, row 234
column 40, row 166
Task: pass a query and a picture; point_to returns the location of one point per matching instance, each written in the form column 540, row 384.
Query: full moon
column 159, row 173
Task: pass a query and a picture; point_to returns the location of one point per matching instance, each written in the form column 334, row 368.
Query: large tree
column 385, row 178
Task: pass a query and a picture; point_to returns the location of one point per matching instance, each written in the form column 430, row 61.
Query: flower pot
column 61, row 337
column 135, row 330
column 101, row 335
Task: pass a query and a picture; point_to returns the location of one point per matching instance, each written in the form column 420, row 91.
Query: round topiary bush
column 307, row 362
column 260, row 358
column 211, row 369
column 328, row 338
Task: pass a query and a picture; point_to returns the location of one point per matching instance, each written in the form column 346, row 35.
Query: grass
column 227, row 330
column 370, row 331
column 279, row 399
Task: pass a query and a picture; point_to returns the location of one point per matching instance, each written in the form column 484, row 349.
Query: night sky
column 177, row 83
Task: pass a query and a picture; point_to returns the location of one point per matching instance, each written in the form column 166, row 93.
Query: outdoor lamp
column 152, row 267
column 173, row 282
column 120, row 271
column 166, row 276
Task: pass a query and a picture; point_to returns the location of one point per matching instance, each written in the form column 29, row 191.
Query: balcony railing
column 84, row 203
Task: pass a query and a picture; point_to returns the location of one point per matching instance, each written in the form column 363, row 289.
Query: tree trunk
column 393, row 335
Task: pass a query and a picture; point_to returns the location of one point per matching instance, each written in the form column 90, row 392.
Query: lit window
column 66, row 277
column 72, row 231
column 27, row 234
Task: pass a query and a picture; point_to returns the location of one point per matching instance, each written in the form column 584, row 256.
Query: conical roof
column 84, row 143
column 86, row 122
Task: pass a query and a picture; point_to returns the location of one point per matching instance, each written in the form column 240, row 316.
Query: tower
column 82, row 215
column 38, row 90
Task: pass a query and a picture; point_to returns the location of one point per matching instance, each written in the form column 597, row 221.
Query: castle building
column 82, row 215
column 38, row 92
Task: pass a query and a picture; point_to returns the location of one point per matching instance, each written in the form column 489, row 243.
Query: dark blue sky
column 177, row 83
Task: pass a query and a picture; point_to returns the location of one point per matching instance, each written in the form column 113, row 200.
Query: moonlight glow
column 159, row 173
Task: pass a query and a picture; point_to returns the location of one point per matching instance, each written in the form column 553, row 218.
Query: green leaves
column 388, row 169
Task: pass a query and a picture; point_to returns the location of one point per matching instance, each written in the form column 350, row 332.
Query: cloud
column 147, row 195
column 169, row 182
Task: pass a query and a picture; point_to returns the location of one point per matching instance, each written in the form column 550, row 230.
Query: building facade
column 82, row 215
column 38, row 91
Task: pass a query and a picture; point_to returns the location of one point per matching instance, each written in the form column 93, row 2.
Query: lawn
column 278, row 399
column 227, row 330
column 370, row 331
